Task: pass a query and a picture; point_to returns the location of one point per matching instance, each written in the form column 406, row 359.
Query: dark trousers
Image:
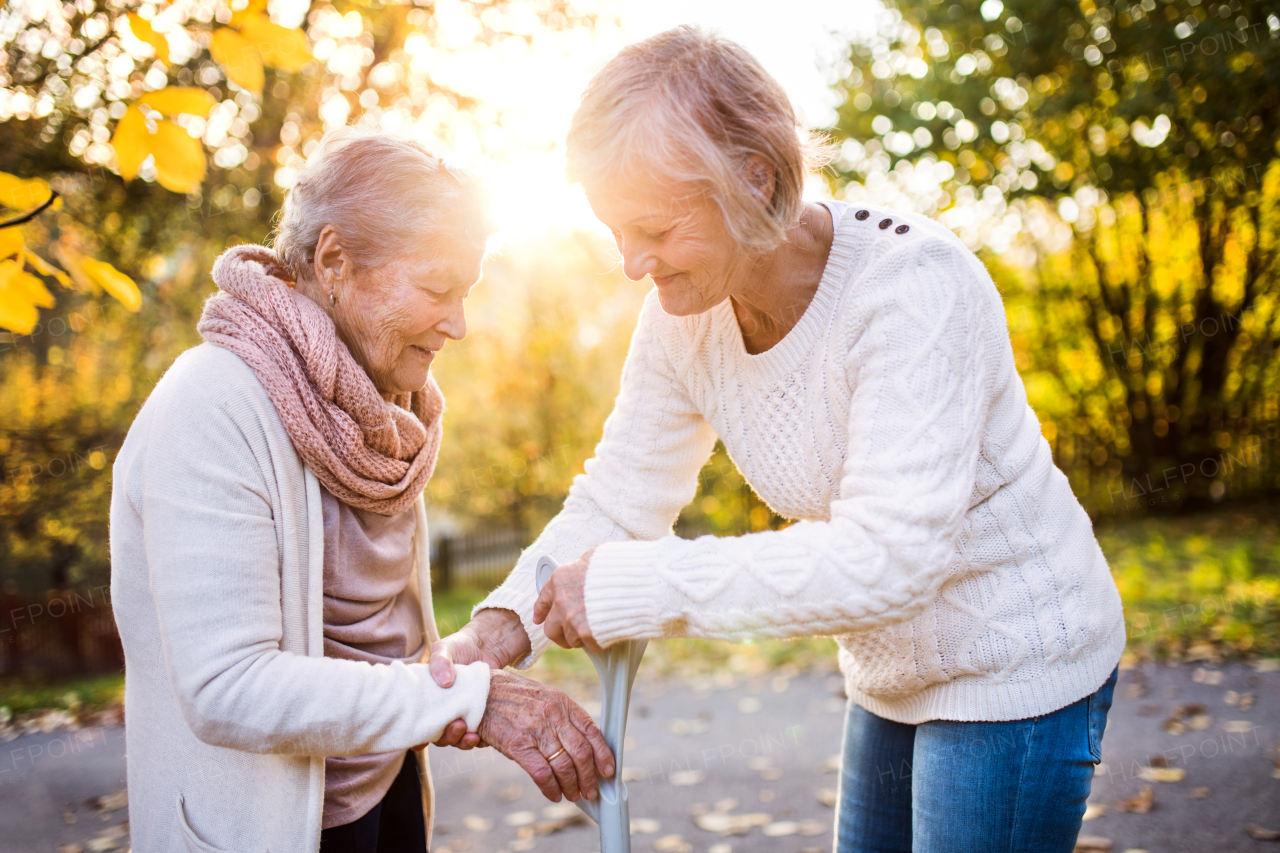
column 394, row 825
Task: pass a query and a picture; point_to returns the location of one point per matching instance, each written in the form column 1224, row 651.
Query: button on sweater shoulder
column 934, row 536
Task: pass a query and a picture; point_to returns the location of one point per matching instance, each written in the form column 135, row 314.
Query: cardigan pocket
column 188, row 840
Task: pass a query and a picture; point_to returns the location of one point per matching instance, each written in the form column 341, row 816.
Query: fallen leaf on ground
column 1174, row 726
column 720, row 848
column 68, row 818
column 831, row 765
column 519, row 818
column 813, row 827
column 672, row 844
column 1140, row 803
column 110, row 802
column 1211, row 677
column 1162, row 774
column 644, row 826
column 1093, row 810
column 1092, row 843
column 513, row 792
column 688, row 727
column 1189, row 709
column 1262, row 833
column 781, row 828
column 726, row 805
column 1198, row 793
column 687, row 777
column 1237, row 727
column 1159, row 760
column 561, row 811
column 731, row 824
column 748, row 705
column 633, row 774
column 827, row 796
column 475, row 823
column 1199, row 722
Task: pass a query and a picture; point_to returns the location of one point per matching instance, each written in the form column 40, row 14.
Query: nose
column 637, row 260
column 454, row 324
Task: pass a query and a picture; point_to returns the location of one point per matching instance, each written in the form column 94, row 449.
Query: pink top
column 371, row 614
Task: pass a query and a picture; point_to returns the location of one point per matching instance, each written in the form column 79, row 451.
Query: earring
column 333, row 301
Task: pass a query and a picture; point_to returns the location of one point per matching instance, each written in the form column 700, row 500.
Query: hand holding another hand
column 494, row 636
column 548, row 734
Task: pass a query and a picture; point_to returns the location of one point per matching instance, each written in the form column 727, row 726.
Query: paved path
column 758, row 752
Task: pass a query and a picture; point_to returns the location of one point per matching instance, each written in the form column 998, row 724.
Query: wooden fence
column 61, row 632
column 480, row 559
column 70, row 631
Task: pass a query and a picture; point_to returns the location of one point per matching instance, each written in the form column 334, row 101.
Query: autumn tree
column 168, row 133
column 1134, row 145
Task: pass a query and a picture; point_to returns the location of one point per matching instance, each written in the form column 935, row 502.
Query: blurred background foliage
column 1117, row 172
column 1117, row 163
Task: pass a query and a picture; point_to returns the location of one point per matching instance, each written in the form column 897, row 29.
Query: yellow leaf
column 10, row 242
column 281, row 47
column 239, row 58
column 112, row 281
column 143, row 32
column 45, row 268
column 20, row 194
column 132, row 143
column 175, row 100
column 180, row 162
column 17, row 309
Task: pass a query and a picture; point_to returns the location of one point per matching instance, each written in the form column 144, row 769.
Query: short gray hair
column 694, row 108
column 388, row 198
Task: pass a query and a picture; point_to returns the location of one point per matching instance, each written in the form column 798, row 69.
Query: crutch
column 617, row 668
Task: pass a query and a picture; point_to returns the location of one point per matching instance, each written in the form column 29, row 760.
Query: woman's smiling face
column 394, row 318
column 399, row 315
column 678, row 238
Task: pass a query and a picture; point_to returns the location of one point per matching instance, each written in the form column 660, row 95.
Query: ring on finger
column 555, row 755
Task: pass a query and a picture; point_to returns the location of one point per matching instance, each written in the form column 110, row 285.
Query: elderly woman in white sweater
column 856, row 364
column 269, row 541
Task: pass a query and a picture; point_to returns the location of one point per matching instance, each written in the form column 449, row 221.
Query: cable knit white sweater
column 935, row 539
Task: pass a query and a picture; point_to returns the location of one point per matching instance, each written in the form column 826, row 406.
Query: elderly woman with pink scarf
column 269, row 542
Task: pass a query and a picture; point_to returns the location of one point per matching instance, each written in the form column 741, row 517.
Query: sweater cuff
column 624, row 593
column 473, row 682
column 520, row 603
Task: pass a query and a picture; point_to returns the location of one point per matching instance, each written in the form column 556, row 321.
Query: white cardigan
column 217, row 545
column 936, row 539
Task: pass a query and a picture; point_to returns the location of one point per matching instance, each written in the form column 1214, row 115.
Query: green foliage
column 1147, row 332
column 25, row 695
column 530, row 386
column 1205, row 587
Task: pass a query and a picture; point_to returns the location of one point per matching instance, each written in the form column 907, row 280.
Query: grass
column 1198, row 587
column 25, row 695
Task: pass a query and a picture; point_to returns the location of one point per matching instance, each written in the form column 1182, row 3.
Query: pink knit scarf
column 367, row 452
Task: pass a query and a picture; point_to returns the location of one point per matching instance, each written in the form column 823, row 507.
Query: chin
column 682, row 302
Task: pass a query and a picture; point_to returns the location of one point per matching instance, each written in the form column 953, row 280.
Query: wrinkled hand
column 530, row 722
column 561, row 608
column 494, row 636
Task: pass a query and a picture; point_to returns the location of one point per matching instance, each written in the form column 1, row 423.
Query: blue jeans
column 1011, row 787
